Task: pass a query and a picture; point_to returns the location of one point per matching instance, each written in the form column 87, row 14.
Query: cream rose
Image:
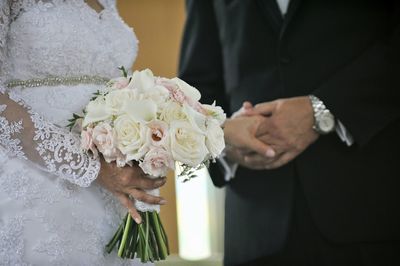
column 131, row 136
column 173, row 112
column 187, row 144
column 214, row 138
column 215, row 112
column 116, row 100
column 195, row 118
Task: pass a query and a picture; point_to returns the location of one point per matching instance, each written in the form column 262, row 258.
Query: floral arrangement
column 155, row 122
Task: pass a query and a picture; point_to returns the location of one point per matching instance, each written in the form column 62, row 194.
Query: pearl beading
column 57, row 81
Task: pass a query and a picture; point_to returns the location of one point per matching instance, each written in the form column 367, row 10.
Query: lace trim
column 59, row 149
column 62, row 154
column 11, row 144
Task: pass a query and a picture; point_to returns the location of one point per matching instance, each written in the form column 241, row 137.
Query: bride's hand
column 129, row 181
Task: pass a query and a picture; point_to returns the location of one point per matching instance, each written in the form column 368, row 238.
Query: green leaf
column 124, row 72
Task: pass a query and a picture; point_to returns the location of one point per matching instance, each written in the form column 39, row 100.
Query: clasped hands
column 270, row 134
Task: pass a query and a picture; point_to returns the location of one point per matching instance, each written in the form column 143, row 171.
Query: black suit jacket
column 347, row 53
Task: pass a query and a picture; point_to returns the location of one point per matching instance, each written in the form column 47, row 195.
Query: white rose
column 116, row 100
column 173, row 112
column 196, row 119
column 158, row 94
column 215, row 111
column 190, row 91
column 142, row 80
column 131, row 137
column 214, row 138
column 96, row 111
column 187, row 144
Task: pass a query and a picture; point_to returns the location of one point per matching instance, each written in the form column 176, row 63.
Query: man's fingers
column 247, row 105
column 261, row 148
column 266, row 108
column 128, row 203
column 144, row 197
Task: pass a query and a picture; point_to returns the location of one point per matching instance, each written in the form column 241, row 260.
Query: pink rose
column 119, row 83
column 157, row 162
column 87, row 141
column 178, row 95
column 174, row 92
column 105, row 140
column 158, row 133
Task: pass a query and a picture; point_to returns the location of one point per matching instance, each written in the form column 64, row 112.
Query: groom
column 325, row 76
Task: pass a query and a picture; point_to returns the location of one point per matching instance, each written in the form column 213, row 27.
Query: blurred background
column 193, row 216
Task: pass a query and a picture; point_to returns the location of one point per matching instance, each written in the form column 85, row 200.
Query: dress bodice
column 66, row 38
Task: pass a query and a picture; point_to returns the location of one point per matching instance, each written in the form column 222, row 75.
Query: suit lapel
column 272, row 13
column 292, row 8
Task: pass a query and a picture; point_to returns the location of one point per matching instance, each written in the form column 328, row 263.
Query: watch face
column 326, row 123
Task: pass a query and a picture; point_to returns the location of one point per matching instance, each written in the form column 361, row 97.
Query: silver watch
column 324, row 121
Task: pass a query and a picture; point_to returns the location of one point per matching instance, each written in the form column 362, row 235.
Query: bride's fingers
column 144, row 182
column 144, row 197
column 129, row 204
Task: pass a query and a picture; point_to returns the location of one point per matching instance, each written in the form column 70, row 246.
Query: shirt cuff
column 229, row 167
column 343, row 133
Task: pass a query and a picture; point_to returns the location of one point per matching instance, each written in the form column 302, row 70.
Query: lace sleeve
column 25, row 134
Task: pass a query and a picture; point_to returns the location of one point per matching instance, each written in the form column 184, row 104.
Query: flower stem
column 160, row 239
column 125, row 236
column 117, row 236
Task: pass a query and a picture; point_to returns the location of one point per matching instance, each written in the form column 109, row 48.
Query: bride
column 56, row 203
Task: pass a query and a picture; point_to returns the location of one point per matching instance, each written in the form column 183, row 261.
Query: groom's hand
column 240, row 133
column 288, row 128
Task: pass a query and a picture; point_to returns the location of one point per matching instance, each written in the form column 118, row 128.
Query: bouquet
column 155, row 122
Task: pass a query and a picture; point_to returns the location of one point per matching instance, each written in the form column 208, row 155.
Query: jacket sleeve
column 201, row 61
column 364, row 95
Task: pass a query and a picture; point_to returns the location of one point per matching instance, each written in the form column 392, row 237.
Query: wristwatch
column 324, row 121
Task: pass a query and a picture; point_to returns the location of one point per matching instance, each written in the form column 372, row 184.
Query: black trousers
column 306, row 246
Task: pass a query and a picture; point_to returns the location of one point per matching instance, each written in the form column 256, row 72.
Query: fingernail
column 137, row 220
column 160, row 182
column 270, row 153
column 162, row 202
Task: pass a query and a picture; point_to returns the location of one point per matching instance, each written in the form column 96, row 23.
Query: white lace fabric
column 26, row 134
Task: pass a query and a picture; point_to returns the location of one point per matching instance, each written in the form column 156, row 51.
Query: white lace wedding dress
column 54, row 54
